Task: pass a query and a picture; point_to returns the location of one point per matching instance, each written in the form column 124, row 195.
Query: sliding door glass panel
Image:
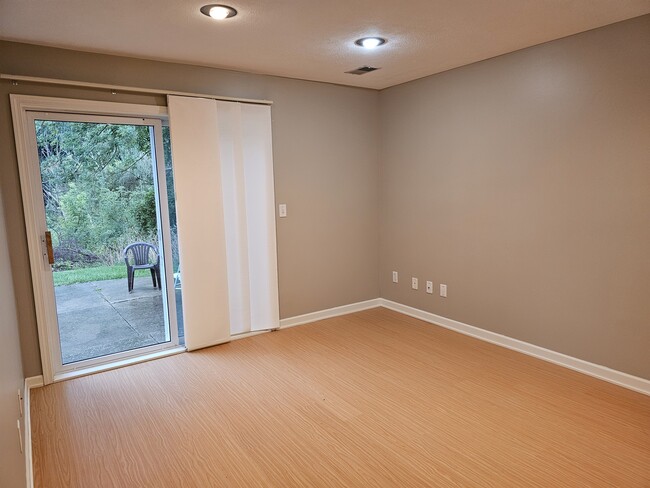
column 173, row 230
column 100, row 191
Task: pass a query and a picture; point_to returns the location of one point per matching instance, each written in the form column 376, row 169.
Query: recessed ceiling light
column 370, row 42
column 218, row 12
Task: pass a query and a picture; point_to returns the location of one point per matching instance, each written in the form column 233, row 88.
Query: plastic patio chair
column 143, row 256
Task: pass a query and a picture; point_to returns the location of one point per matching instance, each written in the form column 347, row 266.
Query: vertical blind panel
column 260, row 202
column 249, row 206
column 232, row 170
column 194, row 133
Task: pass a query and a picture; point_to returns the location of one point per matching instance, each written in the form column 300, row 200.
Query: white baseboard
column 329, row 313
column 625, row 380
column 34, row 381
column 31, row 382
column 619, row 378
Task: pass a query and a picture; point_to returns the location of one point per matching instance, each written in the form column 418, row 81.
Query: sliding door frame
column 24, row 111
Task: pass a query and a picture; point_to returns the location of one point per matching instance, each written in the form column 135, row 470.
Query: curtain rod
column 126, row 89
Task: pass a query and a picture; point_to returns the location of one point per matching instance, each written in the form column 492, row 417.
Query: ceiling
column 310, row 39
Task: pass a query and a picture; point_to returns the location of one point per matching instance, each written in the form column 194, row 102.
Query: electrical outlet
column 443, row 291
column 429, row 287
column 395, row 277
column 414, row 283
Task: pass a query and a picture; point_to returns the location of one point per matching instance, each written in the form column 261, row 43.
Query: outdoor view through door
column 109, row 207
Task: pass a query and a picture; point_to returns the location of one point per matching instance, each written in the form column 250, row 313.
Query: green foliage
column 74, row 214
column 97, row 189
column 169, row 175
column 145, row 212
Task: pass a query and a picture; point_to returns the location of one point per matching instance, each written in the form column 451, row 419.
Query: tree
column 97, row 188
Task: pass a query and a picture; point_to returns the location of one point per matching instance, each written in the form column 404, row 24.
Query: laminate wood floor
column 371, row 399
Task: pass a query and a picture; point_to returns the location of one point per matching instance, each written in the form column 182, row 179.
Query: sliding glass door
column 109, row 278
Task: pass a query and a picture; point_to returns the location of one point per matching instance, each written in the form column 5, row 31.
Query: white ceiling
column 310, row 39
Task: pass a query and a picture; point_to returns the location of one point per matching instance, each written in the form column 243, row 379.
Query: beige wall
column 523, row 182
column 326, row 171
column 12, row 462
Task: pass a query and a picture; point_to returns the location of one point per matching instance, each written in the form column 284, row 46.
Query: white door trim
column 21, row 107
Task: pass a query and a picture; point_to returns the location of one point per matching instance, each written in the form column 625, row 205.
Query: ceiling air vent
column 362, row 71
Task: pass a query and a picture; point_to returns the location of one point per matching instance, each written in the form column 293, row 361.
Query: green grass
column 98, row 273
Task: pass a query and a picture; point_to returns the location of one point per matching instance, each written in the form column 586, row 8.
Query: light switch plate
column 282, row 210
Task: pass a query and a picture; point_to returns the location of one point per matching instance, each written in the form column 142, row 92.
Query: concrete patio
column 101, row 317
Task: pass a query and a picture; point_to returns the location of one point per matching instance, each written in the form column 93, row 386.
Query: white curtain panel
column 199, row 210
column 249, row 209
column 225, row 205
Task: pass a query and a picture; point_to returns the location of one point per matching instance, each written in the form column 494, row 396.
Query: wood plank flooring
column 372, row 399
